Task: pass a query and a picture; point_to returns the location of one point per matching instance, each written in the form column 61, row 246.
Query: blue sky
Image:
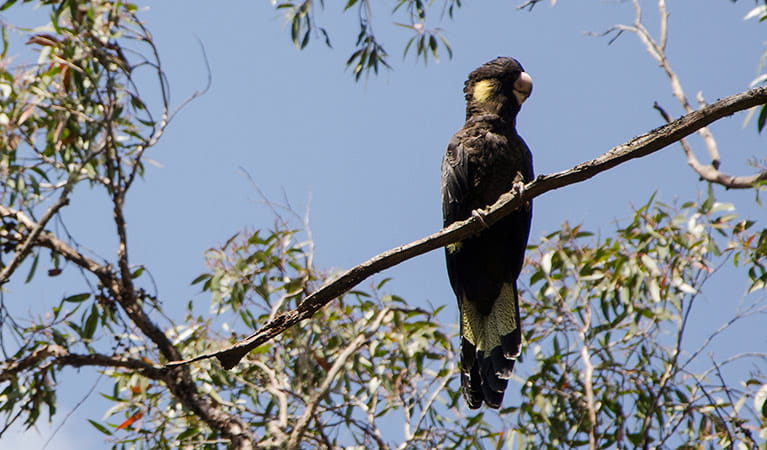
column 365, row 157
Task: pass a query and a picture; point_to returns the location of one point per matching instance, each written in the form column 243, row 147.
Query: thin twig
column 278, row 388
column 426, row 408
column 588, row 377
column 360, row 341
column 529, row 4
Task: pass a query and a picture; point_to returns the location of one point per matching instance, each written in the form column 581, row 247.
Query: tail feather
column 471, row 383
column 490, row 345
column 493, row 386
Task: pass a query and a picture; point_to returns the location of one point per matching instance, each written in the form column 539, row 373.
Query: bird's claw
column 517, row 188
column 480, row 215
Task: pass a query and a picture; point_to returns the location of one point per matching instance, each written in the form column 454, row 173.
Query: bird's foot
column 517, row 188
column 480, row 215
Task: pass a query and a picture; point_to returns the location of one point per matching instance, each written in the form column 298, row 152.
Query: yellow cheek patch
column 484, row 90
column 452, row 248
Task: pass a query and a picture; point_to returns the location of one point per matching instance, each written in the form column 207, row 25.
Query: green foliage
column 607, row 325
column 72, row 117
column 369, row 54
column 606, row 347
column 76, row 114
column 301, row 23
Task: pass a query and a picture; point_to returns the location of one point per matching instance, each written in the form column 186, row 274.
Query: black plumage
column 485, row 159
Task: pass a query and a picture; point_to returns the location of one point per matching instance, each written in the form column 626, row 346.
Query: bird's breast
column 497, row 161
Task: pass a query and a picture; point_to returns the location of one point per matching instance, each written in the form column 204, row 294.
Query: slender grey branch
column 711, row 172
column 636, row 148
column 338, row 365
column 61, row 355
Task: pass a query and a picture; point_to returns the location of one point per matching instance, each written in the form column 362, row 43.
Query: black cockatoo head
column 498, row 87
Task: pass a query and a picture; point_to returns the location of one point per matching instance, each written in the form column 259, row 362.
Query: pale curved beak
column 523, row 87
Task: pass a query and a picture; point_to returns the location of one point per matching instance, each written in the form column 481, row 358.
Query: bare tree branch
column 658, row 51
column 636, row 148
column 61, row 355
column 710, row 172
column 179, row 382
